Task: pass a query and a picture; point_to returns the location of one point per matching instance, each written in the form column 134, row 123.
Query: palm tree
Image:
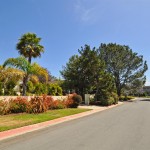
column 27, row 68
column 28, row 46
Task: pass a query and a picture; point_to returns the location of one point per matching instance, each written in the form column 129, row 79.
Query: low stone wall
column 29, row 97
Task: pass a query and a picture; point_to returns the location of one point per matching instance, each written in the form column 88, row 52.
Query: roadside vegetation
column 37, row 104
column 12, row 121
column 111, row 73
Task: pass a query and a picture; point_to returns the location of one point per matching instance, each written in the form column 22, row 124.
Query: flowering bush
column 69, row 103
column 73, row 101
column 48, row 101
column 4, row 107
column 57, row 104
column 37, row 105
column 18, row 105
column 42, row 104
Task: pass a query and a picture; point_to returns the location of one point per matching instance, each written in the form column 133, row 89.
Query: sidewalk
column 34, row 127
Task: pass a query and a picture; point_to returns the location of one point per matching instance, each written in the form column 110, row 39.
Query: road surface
column 126, row 127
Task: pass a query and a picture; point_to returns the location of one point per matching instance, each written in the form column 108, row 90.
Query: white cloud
column 84, row 12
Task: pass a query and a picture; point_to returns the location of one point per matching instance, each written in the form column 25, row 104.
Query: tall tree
column 135, row 87
column 124, row 64
column 29, row 46
column 83, row 72
column 28, row 69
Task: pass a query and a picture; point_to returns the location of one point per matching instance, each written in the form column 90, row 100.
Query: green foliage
column 116, row 98
column 29, row 46
column 105, row 86
column 125, row 98
column 1, row 88
column 108, row 101
column 83, row 71
column 9, row 88
column 134, row 88
column 124, row 65
column 40, row 89
column 25, row 119
column 77, row 99
column 73, row 101
column 54, row 89
column 30, row 87
column 28, row 70
column 107, row 98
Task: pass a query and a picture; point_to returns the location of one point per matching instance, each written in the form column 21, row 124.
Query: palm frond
column 19, row 62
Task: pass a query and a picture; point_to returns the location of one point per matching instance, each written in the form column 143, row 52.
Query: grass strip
column 13, row 121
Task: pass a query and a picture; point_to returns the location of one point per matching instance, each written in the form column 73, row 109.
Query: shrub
column 121, row 98
column 108, row 101
column 4, row 107
column 37, row 105
column 116, row 98
column 48, row 101
column 54, row 89
column 130, row 97
column 69, row 103
column 18, row 105
column 73, row 101
column 40, row 89
column 125, row 98
column 58, row 104
column 42, row 104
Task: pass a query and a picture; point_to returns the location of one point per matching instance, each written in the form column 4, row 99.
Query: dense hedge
column 38, row 104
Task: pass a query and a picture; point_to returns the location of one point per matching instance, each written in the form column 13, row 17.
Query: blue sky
column 66, row 25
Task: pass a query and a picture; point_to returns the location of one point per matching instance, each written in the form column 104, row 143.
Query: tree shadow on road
column 145, row 100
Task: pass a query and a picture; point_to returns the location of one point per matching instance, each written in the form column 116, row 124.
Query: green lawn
column 18, row 120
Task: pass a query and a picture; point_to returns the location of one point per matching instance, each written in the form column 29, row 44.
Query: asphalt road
column 126, row 127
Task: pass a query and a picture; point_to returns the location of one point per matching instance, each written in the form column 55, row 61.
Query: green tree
column 40, row 89
column 28, row 46
column 30, row 87
column 9, row 87
column 83, row 72
column 135, row 87
column 27, row 69
column 125, row 65
column 54, row 89
column 9, row 77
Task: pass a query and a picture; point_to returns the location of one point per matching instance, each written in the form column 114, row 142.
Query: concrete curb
column 34, row 127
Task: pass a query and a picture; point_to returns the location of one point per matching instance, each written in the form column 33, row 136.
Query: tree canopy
column 125, row 65
column 27, row 69
column 29, row 46
column 84, row 72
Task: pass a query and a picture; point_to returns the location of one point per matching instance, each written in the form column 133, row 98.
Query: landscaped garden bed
column 20, row 112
